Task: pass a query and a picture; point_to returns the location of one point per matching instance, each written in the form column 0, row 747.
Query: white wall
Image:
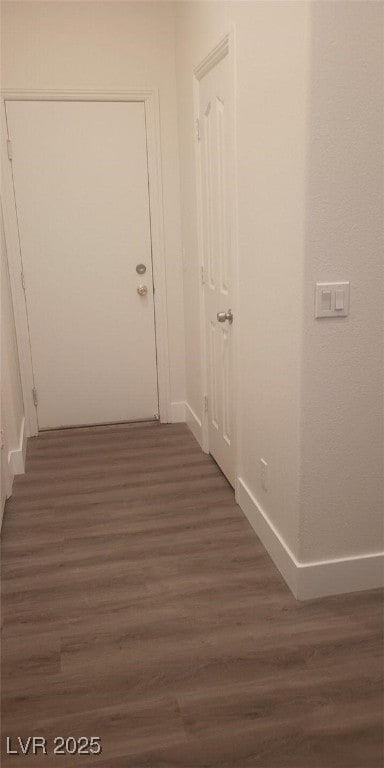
column 12, row 408
column 342, row 507
column 310, row 175
column 102, row 45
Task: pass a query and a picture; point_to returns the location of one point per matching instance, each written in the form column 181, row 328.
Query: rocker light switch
column 326, row 300
column 332, row 299
column 339, row 300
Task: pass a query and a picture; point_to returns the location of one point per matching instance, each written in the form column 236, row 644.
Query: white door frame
column 225, row 47
column 150, row 98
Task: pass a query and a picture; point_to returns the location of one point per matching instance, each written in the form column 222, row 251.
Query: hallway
column 140, row 607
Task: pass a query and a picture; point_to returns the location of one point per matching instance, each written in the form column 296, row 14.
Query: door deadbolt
column 223, row 316
column 141, row 269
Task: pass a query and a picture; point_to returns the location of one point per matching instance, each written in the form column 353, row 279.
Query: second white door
column 81, row 188
column 216, row 152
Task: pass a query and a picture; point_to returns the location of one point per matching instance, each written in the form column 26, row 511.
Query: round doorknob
column 142, row 290
column 223, row 316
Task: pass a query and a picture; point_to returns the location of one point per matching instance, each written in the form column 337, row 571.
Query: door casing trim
column 225, row 47
column 150, row 98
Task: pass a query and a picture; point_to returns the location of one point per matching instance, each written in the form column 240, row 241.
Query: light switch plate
column 329, row 296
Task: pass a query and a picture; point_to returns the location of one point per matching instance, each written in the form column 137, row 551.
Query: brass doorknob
column 142, row 290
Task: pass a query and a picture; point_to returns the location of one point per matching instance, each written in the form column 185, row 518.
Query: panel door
column 81, row 187
column 216, row 142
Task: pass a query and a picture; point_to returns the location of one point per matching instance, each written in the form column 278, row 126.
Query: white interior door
column 216, row 142
column 81, row 187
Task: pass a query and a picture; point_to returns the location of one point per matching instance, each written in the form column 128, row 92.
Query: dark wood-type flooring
column 139, row 606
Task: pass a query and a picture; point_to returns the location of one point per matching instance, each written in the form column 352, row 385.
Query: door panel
column 81, row 186
column 216, row 121
column 226, row 342
column 214, row 395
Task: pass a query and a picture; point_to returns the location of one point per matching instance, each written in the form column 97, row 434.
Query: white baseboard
column 194, row 423
column 177, row 412
column 346, row 574
column 16, row 457
column 276, row 547
column 315, row 579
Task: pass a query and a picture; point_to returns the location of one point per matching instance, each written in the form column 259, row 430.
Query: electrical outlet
column 264, row 474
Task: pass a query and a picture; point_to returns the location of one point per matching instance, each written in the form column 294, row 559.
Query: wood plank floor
column 139, row 606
